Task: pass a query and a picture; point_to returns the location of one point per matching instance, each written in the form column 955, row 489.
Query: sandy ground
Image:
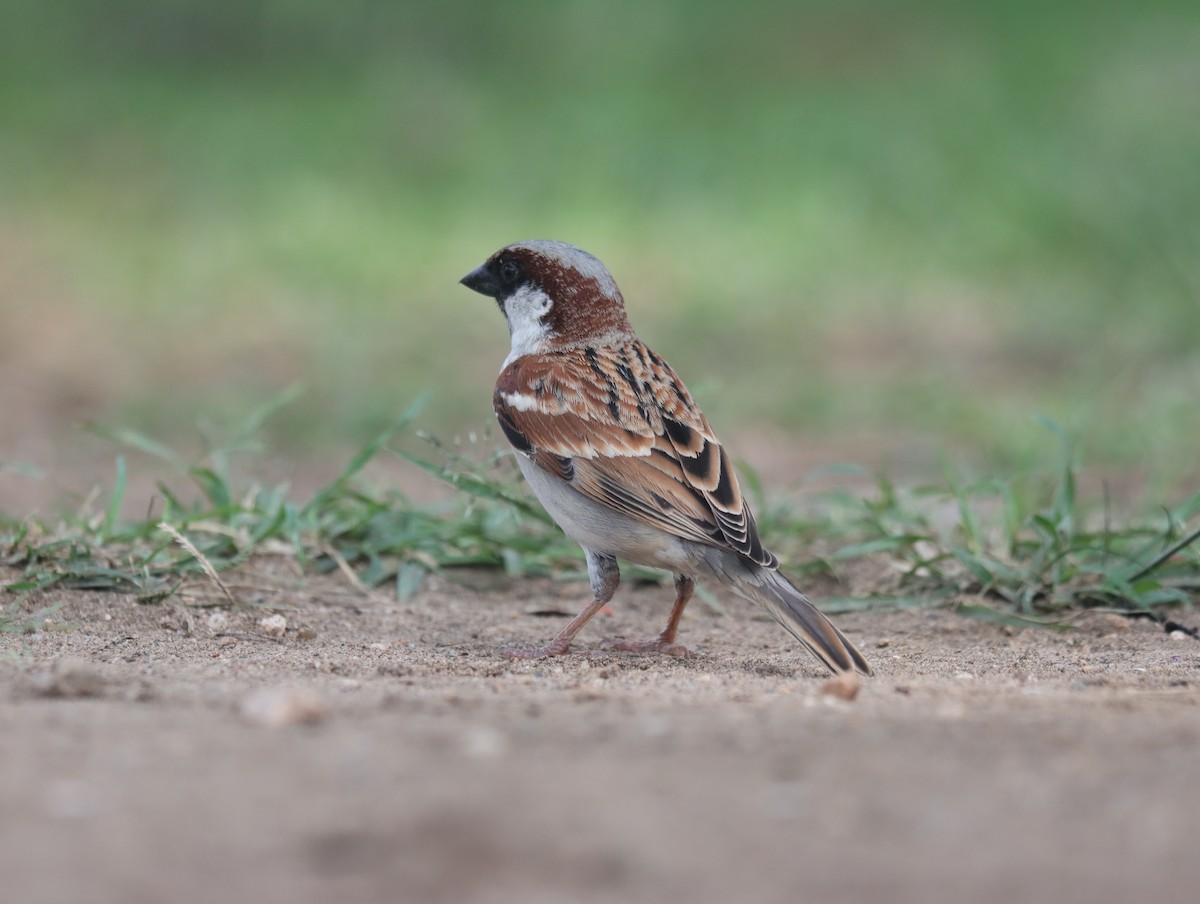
column 385, row 752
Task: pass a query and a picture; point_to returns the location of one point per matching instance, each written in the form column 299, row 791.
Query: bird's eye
column 510, row 271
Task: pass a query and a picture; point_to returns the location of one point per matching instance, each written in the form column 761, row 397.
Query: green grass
column 1030, row 550
column 1018, row 549
column 223, row 525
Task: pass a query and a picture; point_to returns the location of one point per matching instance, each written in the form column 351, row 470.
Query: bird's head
column 553, row 295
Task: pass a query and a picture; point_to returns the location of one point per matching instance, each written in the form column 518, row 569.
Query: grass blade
column 114, row 504
column 136, row 440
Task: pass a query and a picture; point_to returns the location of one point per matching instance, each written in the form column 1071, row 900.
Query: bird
column 619, row 454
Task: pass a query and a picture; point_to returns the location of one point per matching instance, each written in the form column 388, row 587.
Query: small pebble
column 277, row 707
column 1101, row 623
column 273, row 625
column 844, row 686
column 71, row 677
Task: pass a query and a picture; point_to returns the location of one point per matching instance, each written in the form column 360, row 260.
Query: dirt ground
column 357, row 749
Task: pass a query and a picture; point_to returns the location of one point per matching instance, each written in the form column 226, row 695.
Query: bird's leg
column 562, row 642
column 604, row 576
column 665, row 641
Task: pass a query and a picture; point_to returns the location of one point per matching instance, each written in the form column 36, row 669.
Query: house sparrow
column 619, row 454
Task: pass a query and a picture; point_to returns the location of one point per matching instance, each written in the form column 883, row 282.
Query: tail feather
column 791, row 608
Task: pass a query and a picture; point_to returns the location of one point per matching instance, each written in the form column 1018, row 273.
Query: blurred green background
column 894, row 230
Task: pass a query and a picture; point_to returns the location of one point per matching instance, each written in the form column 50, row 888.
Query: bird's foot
column 654, row 645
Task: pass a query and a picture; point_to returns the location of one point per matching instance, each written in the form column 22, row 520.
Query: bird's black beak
column 483, row 281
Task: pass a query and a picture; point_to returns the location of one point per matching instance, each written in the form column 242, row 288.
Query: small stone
column 843, row 687
column 273, row 625
column 883, row 643
column 1179, row 635
column 278, row 707
column 218, row 621
column 70, row 678
column 1101, row 623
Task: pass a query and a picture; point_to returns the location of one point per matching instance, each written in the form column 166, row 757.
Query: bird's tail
column 791, row 608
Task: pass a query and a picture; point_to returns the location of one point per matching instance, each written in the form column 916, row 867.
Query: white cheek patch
column 526, row 309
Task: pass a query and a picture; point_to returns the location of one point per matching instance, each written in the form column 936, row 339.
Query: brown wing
column 619, row 426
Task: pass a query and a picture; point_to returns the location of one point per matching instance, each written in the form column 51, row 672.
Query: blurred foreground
column 372, row 752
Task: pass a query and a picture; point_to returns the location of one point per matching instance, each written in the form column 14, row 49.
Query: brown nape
column 583, row 310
